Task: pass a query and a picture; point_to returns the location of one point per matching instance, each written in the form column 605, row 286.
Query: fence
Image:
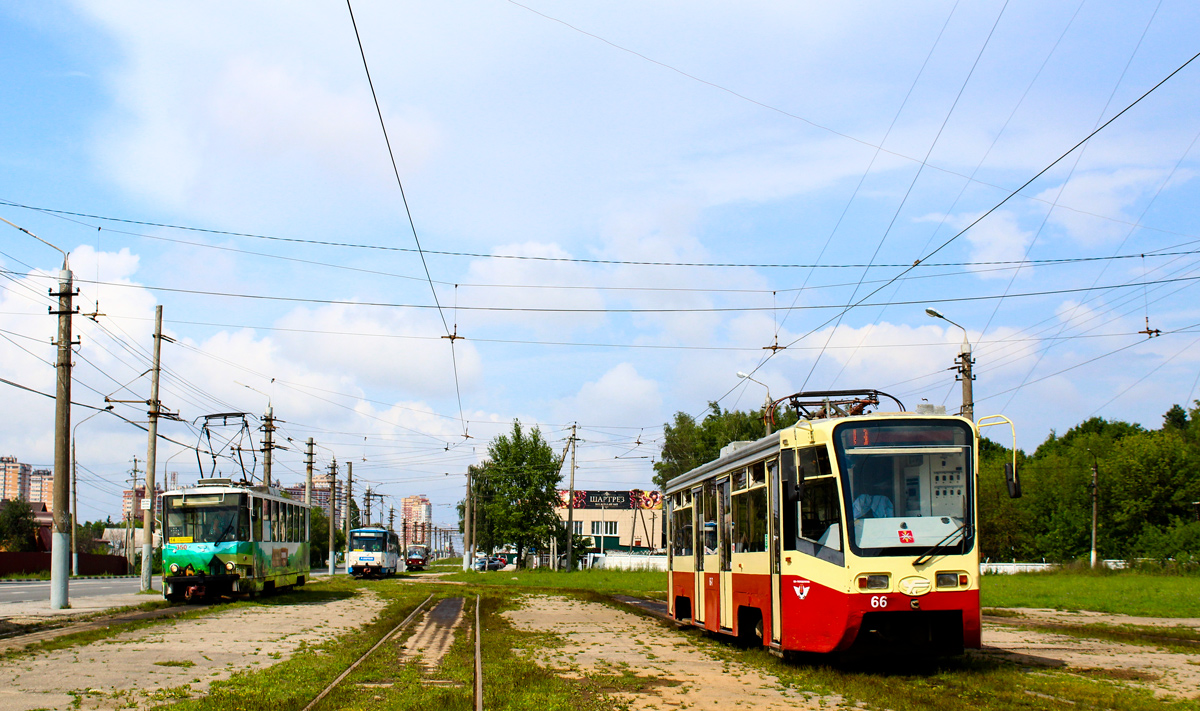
column 89, row 564
column 624, row 561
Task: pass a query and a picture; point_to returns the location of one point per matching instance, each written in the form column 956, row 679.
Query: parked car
column 484, row 563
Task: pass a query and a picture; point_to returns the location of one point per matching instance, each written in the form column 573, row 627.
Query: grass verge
column 639, row 583
column 1120, row 593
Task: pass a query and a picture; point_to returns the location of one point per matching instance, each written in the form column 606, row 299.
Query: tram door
column 698, row 553
column 712, row 559
column 725, row 526
column 774, row 538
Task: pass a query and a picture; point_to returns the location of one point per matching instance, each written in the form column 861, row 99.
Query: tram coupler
column 193, row 591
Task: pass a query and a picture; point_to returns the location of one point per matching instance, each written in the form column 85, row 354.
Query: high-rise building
column 417, row 515
column 41, row 487
column 320, row 496
column 14, row 479
column 131, row 501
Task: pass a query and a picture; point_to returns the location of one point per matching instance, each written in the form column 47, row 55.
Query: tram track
column 426, row 646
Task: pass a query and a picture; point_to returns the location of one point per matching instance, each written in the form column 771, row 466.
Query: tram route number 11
column 878, row 601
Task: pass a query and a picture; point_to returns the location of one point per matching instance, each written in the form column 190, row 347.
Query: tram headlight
column 174, row 569
column 873, row 582
column 229, row 566
column 947, row 580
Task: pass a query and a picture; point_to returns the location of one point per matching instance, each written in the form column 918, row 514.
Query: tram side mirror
column 1011, row 478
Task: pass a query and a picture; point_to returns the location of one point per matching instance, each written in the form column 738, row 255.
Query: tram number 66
column 878, row 601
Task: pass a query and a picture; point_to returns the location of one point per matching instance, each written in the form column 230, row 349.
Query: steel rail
column 406, row 622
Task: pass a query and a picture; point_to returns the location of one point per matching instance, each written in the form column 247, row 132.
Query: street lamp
column 963, row 365
column 766, row 405
column 75, row 494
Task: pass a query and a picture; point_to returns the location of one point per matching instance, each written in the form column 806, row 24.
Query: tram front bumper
column 187, row 585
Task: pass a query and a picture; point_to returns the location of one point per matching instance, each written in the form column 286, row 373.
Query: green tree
column 318, row 540
column 519, row 490
column 687, row 445
column 18, row 527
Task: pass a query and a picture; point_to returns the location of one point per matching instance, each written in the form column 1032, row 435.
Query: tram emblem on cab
column 801, row 588
column 907, row 537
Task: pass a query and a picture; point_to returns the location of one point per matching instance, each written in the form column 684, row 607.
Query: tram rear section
column 852, row 532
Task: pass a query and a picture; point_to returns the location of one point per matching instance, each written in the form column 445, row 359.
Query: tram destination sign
column 594, row 499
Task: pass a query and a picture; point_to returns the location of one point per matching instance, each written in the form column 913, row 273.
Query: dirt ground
column 152, row 665
column 589, row 631
column 1083, row 617
column 1166, row 673
column 600, row 639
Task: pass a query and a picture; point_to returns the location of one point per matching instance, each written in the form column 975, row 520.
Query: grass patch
column 185, row 663
column 638, row 583
column 1118, row 592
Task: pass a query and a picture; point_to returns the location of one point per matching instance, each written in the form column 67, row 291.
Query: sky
column 588, row 215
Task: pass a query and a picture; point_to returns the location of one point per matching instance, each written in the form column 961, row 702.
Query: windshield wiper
column 928, row 554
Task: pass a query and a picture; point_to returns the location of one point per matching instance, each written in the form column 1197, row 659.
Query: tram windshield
column 367, row 541
column 206, row 518
column 908, row 485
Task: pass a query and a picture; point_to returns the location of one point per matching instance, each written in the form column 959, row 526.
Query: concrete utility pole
column 332, row 503
column 349, row 498
column 571, row 509
column 963, row 364
column 308, row 465
column 268, row 442
column 59, row 561
column 468, row 540
column 152, row 457
column 74, row 509
column 391, row 518
column 129, row 519
column 1095, row 503
column 367, row 507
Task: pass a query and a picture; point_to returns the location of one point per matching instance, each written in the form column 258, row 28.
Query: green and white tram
column 223, row 538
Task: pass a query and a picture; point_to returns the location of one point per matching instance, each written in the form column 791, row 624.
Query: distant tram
column 418, row 557
column 223, row 538
column 374, row 552
column 846, row 530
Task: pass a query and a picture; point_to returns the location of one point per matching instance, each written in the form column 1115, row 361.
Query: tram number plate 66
column 879, row 601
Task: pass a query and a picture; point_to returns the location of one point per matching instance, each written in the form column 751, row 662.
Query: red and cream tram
column 844, row 528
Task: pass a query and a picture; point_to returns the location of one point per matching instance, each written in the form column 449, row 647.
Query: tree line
column 1148, row 494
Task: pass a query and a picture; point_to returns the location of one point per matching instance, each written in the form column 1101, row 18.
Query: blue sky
column 566, row 145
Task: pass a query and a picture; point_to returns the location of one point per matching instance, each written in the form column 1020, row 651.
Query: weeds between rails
column 477, row 687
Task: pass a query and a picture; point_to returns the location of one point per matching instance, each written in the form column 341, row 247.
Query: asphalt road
column 36, row 590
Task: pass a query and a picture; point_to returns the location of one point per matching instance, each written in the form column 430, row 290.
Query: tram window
column 243, row 520
column 291, row 521
column 709, row 518
column 814, row 462
column 681, row 532
column 256, row 511
column 758, row 473
column 739, row 479
column 820, row 514
column 206, row 519
column 750, row 521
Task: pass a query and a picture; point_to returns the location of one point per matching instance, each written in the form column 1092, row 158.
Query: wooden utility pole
column 59, row 561
column 151, row 456
column 571, row 509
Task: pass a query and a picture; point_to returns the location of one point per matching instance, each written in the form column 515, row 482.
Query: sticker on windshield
column 179, row 539
column 906, row 537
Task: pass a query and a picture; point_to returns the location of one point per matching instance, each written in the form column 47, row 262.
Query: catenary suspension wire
column 408, row 212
